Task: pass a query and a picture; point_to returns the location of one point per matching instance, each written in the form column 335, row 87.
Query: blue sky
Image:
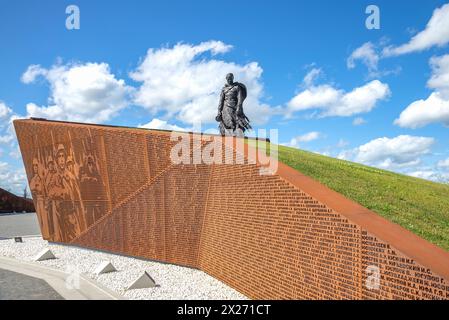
column 161, row 64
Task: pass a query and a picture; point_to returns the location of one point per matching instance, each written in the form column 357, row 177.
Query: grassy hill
column 418, row 205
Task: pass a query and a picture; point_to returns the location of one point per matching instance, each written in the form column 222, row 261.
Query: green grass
column 418, row 205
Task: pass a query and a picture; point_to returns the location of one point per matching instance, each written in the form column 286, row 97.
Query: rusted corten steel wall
column 280, row 236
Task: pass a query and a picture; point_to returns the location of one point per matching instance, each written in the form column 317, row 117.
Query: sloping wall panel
column 280, row 236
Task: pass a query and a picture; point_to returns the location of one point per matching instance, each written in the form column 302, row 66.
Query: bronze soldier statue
column 233, row 120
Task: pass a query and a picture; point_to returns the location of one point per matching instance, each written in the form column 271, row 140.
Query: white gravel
column 174, row 282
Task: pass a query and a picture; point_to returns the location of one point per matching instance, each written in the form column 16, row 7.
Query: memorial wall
column 280, row 236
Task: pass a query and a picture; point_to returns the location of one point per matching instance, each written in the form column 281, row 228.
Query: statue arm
column 221, row 102
column 239, row 102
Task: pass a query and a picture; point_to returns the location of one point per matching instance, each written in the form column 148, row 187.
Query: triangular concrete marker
column 144, row 281
column 45, row 254
column 105, row 267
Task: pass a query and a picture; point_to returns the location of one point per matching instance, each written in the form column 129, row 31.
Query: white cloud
column 79, row 92
column 6, row 139
column 439, row 80
column 162, row 125
column 443, row 163
column 311, row 76
column 5, row 113
column 369, row 56
column 342, row 143
column 310, row 136
column 403, row 151
column 335, row 102
column 184, row 82
column 346, row 155
column 323, row 153
column 307, row 137
column 423, row 174
column 436, row 107
column 7, row 116
column 11, row 179
column 423, row 112
column 33, row 71
column 439, row 172
column 15, row 152
column 366, row 54
column 314, row 97
column 433, row 175
column 358, row 121
column 436, row 33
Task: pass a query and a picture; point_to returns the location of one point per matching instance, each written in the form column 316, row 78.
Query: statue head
column 230, row 78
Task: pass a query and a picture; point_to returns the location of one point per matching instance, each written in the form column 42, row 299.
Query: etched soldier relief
column 232, row 119
column 67, row 187
column 92, row 188
column 37, row 187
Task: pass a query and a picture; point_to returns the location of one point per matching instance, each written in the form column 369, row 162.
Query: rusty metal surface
column 281, row 236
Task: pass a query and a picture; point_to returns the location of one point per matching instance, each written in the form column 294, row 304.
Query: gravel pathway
column 174, row 282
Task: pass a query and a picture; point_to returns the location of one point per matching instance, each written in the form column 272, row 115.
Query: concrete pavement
column 17, row 286
column 32, row 279
column 18, row 224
